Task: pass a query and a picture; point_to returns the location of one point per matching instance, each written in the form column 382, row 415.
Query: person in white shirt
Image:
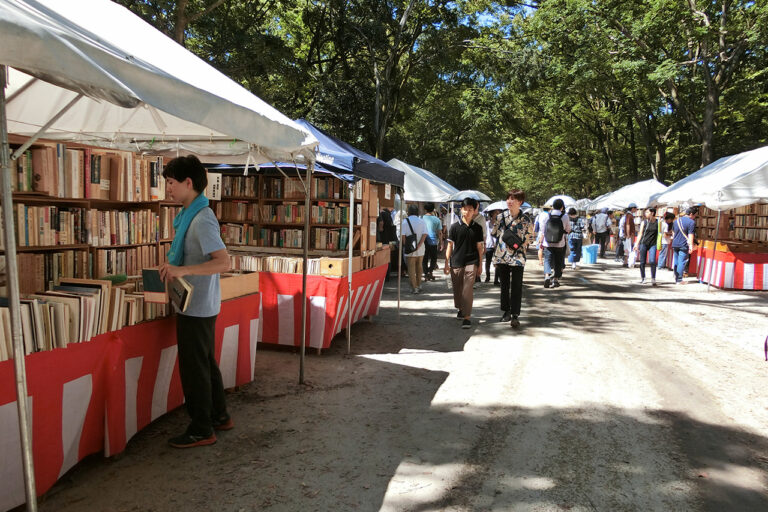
column 552, row 241
column 490, row 246
column 414, row 225
column 601, row 226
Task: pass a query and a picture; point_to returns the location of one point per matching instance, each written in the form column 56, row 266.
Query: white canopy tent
column 639, row 193
column 141, row 90
column 729, row 182
column 567, row 200
column 421, row 185
column 92, row 72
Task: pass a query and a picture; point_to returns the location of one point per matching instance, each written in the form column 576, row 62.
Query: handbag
column 511, row 239
column 411, row 242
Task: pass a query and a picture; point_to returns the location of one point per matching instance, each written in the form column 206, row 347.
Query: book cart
column 732, row 251
column 262, row 220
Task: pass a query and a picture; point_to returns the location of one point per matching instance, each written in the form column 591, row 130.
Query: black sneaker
column 466, row 323
column 547, row 282
column 555, row 283
column 191, row 441
column 223, row 423
column 507, row 317
column 459, row 315
column 514, row 323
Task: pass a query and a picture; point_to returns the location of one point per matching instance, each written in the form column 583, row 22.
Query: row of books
column 54, row 225
column 59, row 171
column 238, row 186
column 167, row 214
column 329, row 188
column 282, row 188
column 321, row 238
column 752, row 209
column 129, row 261
column 271, row 263
column 752, row 234
column 241, row 211
column 43, row 271
column 293, row 213
column 112, row 227
column 749, row 221
column 75, row 311
column 50, row 225
column 330, row 238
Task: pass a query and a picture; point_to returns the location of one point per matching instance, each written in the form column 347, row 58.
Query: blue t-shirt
column 203, row 237
column 434, row 226
column 680, row 240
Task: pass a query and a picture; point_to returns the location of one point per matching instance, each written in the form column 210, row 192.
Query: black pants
column 200, row 375
column 429, row 263
column 620, row 249
column 602, row 240
column 511, row 278
column 488, row 261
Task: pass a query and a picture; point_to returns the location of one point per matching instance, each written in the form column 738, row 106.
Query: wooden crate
column 382, row 256
column 238, row 285
column 338, row 267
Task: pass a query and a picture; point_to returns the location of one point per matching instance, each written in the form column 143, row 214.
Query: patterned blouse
column 523, row 225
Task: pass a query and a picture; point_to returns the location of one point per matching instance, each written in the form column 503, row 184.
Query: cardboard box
column 373, row 201
column 382, row 256
column 338, row 267
column 386, row 195
column 238, row 285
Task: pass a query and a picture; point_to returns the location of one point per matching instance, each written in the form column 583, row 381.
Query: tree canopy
column 557, row 96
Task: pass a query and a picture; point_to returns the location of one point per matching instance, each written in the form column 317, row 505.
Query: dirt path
column 612, row 396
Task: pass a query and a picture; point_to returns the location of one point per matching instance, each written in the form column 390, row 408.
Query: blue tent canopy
column 337, row 155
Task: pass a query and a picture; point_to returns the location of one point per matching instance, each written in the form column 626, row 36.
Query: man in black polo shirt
column 463, row 255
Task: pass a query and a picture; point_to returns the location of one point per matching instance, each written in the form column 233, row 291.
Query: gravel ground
column 611, row 396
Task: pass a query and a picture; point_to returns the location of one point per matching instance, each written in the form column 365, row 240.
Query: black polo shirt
column 465, row 239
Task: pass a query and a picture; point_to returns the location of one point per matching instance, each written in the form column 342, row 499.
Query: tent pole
column 349, row 265
column 12, row 278
column 45, row 127
column 400, row 249
column 304, row 270
column 714, row 250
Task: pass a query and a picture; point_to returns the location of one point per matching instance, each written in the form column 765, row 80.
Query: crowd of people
column 498, row 242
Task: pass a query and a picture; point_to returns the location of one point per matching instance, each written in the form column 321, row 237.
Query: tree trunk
column 181, row 22
column 632, row 149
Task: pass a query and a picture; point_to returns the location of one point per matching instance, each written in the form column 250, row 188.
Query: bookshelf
column 85, row 212
column 707, row 227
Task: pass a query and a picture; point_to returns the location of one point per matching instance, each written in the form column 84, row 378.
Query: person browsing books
column 198, row 255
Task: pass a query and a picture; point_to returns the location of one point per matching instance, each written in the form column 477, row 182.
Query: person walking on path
column 414, row 226
column 513, row 229
column 433, row 241
column 647, row 238
column 601, row 226
column 682, row 242
column 463, row 257
column 665, row 238
column 490, row 246
column 575, row 237
column 552, row 242
column 198, row 255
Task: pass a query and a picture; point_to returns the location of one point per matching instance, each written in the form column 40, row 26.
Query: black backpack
column 555, row 230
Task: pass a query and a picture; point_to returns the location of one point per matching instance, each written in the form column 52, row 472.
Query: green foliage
column 563, row 96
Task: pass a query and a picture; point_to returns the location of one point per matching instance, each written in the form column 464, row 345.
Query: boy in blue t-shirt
column 433, row 241
column 199, row 255
column 682, row 241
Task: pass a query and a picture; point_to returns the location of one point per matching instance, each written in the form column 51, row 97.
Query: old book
column 180, row 293
column 155, row 290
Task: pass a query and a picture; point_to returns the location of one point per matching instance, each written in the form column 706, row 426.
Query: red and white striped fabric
column 95, row 396
column 728, row 270
column 327, row 299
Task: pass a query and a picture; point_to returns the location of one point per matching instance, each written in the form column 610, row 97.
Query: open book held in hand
column 179, row 291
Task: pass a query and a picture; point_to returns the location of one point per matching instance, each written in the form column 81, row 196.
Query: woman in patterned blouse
column 509, row 256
